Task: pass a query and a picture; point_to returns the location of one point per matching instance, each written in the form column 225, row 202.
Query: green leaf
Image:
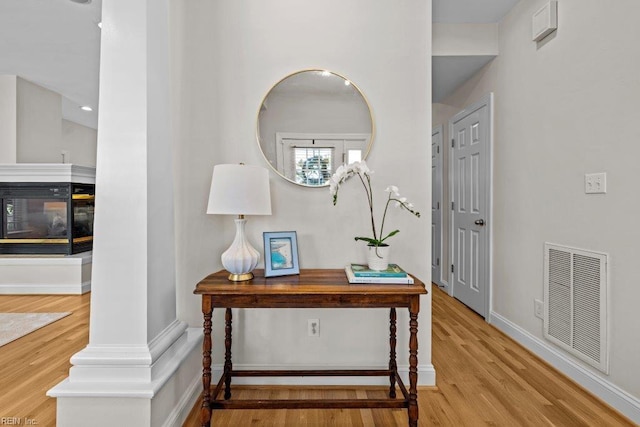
column 393, row 233
column 369, row 240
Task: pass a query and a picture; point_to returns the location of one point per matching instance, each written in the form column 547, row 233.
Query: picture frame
column 280, row 253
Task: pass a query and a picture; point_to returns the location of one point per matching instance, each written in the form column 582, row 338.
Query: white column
column 140, row 359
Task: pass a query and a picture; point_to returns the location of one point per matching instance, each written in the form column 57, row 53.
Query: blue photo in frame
column 280, row 253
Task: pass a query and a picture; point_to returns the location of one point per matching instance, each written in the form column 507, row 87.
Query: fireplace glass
column 46, row 218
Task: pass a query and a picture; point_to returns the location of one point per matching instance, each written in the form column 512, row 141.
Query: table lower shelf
column 390, row 402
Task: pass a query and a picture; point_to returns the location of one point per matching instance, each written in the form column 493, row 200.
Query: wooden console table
column 310, row 289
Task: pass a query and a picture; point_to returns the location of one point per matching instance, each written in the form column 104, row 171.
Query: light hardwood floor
column 483, row 378
column 31, row 365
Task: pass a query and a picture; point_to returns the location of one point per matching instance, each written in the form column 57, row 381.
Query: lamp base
column 240, row 277
column 241, row 258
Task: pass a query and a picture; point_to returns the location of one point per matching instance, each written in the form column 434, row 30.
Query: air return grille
column 576, row 303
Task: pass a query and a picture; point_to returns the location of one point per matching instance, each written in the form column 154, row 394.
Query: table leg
column 414, row 308
column 228, row 366
column 393, row 367
column 205, row 411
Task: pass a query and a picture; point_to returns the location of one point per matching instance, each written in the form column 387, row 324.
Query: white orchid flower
column 354, row 168
column 393, row 190
column 333, row 187
column 362, row 169
column 401, row 201
column 342, row 172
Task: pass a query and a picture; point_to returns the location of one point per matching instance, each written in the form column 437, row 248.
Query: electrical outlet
column 538, row 309
column 313, row 327
column 595, row 183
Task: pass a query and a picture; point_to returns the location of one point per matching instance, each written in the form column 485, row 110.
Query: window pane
column 313, row 165
column 354, row 156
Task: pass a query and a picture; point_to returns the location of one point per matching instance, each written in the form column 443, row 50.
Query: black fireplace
column 46, row 218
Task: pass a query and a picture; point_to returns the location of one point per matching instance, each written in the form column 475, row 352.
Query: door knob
column 479, row 221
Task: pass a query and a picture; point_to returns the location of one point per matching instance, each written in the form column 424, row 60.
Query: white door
column 436, row 205
column 471, row 195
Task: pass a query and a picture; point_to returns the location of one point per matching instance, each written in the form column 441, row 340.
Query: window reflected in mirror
column 310, row 123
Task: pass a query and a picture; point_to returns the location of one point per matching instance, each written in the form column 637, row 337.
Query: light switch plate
column 595, row 183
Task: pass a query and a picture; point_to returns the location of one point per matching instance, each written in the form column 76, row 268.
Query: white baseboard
column 44, row 289
column 443, row 284
column 613, row 395
column 85, row 287
column 181, row 411
column 426, row 376
column 63, row 275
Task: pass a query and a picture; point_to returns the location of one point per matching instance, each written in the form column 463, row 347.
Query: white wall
column 230, row 55
column 39, row 127
column 465, row 39
column 80, row 141
column 32, row 129
column 8, row 119
column 563, row 108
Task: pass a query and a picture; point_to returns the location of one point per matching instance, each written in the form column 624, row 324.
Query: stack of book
column 359, row 273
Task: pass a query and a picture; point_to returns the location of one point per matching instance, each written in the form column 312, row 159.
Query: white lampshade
column 239, row 190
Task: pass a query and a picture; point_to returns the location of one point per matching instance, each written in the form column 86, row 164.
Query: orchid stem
column 369, row 192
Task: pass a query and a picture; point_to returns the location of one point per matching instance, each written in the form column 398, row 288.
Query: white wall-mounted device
column 545, row 21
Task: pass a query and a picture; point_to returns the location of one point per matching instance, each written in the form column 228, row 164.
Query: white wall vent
column 545, row 21
column 575, row 303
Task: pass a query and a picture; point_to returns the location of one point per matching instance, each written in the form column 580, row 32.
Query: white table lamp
column 240, row 190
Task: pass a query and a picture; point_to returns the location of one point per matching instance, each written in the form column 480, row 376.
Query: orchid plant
column 362, row 171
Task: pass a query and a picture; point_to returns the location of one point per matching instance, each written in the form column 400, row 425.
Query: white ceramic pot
column 378, row 257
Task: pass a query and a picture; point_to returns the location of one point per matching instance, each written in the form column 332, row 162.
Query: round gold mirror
column 310, row 123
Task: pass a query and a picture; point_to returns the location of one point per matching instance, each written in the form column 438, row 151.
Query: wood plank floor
column 31, row 365
column 483, row 377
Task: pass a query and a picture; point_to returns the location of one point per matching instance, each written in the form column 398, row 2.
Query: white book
column 386, row 280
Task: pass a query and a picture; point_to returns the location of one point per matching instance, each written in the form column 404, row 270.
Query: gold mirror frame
column 330, row 94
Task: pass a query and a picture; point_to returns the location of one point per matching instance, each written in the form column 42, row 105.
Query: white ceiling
column 449, row 72
column 56, row 44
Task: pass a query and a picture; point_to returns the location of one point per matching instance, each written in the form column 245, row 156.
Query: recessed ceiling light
column 326, row 73
column 99, row 24
column 86, row 108
column 347, row 82
column 81, row 1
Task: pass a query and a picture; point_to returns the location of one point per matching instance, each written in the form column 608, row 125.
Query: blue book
column 361, row 270
column 406, row 280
